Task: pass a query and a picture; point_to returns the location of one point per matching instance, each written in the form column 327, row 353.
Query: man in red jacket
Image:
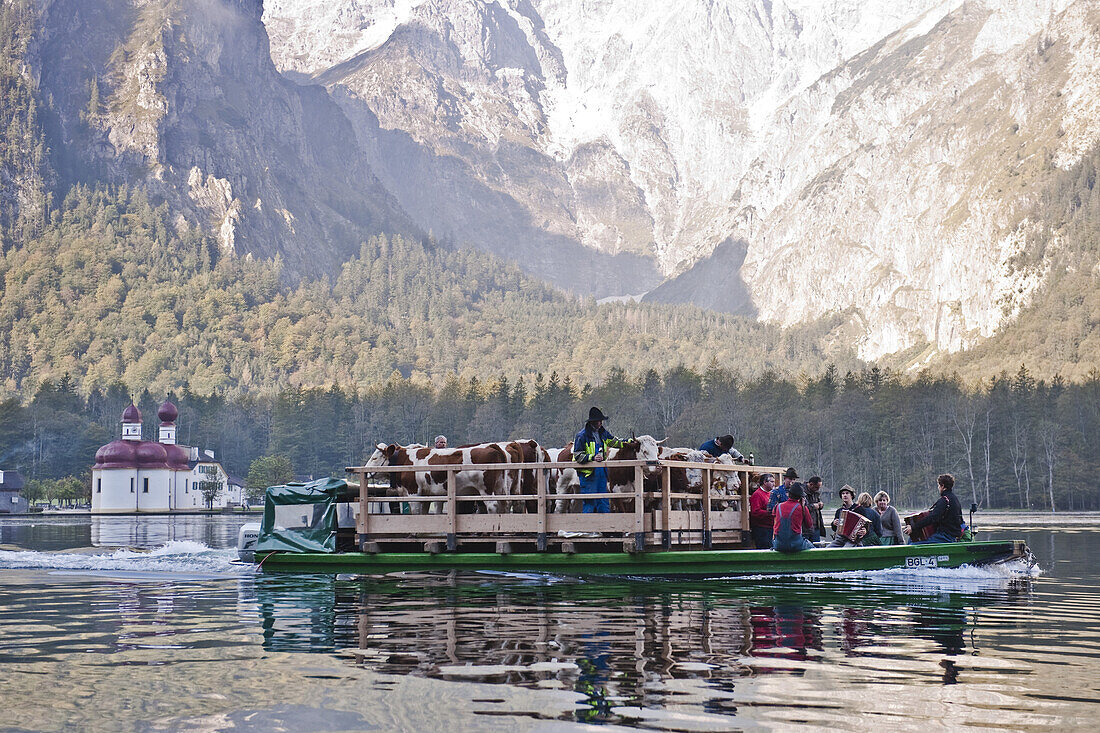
column 790, row 517
column 760, row 519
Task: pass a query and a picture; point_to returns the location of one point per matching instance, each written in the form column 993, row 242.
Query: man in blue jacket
column 590, row 447
column 779, row 493
column 722, row 444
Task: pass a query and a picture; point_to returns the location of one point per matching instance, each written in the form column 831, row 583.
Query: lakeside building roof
column 11, row 481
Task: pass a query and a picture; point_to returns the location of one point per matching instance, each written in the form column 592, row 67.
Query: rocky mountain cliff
column 874, row 156
column 182, row 96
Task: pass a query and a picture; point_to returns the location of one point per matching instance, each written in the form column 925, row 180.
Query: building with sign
column 11, row 500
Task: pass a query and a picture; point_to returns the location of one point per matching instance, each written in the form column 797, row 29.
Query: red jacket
column 798, row 514
column 759, row 516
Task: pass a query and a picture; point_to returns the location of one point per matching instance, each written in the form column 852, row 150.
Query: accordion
column 916, row 535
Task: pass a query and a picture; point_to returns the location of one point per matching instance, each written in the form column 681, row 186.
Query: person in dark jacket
column 946, row 515
column 723, row 444
column 590, row 447
column 848, row 500
column 865, row 507
column 815, row 505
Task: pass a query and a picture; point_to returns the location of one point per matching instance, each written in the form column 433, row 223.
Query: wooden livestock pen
column 655, row 516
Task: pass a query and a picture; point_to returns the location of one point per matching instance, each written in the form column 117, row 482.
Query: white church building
column 135, row 475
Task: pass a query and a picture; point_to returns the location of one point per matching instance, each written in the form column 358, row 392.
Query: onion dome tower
column 131, row 423
column 122, row 453
column 177, row 456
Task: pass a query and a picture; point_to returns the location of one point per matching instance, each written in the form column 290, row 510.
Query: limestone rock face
column 191, row 105
column 867, row 157
column 922, row 172
column 448, row 98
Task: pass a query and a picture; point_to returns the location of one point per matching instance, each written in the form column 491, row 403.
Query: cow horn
column 662, row 440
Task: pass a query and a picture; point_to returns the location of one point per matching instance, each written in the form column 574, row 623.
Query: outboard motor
column 247, row 537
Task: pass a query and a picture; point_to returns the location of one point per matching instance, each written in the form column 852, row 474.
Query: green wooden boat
column 666, row 563
column 302, row 524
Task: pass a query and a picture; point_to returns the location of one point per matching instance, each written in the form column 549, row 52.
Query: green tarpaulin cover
column 302, row 517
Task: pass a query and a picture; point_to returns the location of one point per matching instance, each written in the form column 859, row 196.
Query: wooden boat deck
column 651, row 522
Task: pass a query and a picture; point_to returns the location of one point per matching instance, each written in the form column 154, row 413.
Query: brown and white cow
column 470, row 482
column 621, row 478
column 564, row 480
column 531, row 452
column 690, row 480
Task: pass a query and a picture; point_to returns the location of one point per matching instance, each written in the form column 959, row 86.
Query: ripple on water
column 974, row 647
column 179, row 557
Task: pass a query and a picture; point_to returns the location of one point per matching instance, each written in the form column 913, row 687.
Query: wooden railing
column 659, row 525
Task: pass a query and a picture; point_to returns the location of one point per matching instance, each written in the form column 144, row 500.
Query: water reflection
column 176, row 634
column 52, row 532
column 619, row 644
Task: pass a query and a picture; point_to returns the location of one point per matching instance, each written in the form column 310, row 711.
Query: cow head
column 730, row 481
column 695, row 475
column 382, row 454
column 648, row 448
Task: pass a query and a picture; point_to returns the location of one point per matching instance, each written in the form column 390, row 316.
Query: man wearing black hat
column 590, row 447
column 722, row 444
column 779, row 493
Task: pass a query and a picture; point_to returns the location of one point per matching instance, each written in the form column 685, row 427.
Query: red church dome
column 116, row 454
column 177, row 457
column 167, row 412
column 131, row 414
column 151, row 455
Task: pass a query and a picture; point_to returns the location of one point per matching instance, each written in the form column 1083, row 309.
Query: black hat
column 594, row 415
column 790, row 473
column 796, row 491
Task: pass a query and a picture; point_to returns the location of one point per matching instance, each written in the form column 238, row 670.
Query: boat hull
column 668, row 563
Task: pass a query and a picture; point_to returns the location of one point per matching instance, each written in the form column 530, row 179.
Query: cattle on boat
column 531, row 452
column 685, row 480
column 468, row 482
column 564, row 480
column 621, row 478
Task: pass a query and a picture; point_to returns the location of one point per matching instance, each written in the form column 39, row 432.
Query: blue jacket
column 589, row 442
column 778, row 496
column 712, row 447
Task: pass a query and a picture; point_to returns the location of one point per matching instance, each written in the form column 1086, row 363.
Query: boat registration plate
column 921, row 562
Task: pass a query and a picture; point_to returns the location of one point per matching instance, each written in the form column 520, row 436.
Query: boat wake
column 187, row 558
column 969, row 578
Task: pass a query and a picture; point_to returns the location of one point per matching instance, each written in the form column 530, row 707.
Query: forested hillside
column 107, row 291
column 24, row 170
column 112, row 291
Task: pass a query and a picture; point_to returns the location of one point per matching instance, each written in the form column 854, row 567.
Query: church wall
column 114, row 490
column 153, row 489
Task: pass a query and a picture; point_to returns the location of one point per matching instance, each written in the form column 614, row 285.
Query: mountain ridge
column 805, row 157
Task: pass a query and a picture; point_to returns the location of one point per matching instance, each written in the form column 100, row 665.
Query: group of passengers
column 787, row 517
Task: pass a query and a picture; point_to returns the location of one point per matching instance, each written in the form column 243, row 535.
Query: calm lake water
column 169, row 634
